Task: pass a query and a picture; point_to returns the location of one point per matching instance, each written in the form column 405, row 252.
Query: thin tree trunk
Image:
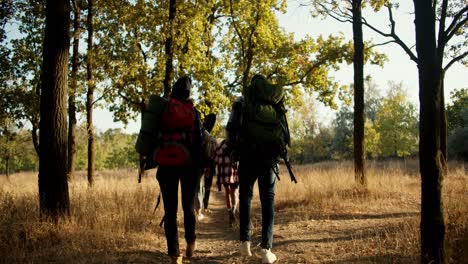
column 71, row 94
column 169, row 75
column 443, row 126
column 432, row 217
column 90, row 96
column 53, row 186
column 7, row 164
column 34, row 138
column 358, row 63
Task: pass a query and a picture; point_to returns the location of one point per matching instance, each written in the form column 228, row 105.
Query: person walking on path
column 184, row 143
column 257, row 133
column 228, row 177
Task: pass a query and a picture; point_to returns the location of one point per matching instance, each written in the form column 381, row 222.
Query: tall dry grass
column 390, row 204
column 113, row 217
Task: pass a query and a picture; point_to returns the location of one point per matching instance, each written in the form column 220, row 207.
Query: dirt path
column 328, row 240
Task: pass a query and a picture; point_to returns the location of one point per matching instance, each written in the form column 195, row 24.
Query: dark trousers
column 208, row 183
column 168, row 178
column 249, row 172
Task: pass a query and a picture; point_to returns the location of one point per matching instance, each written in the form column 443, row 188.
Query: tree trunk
column 53, row 186
column 358, row 63
column 34, row 138
column 432, row 217
column 169, row 75
column 90, row 95
column 71, row 94
column 7, row 164
column 443, row 126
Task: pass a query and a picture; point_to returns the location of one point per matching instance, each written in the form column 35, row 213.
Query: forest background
column 310, row 55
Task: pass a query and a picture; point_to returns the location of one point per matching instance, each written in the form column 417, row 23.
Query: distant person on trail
column 257, row 133
column 207, row 168
column 228, row 177
column 177, row 149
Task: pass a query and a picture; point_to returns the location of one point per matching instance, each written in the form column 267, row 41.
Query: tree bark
column 358, row 64
column 53, row 186
column 443, row 126
column 71, row 94
column 432, row 217
column 169, row 75
column 90, row 95
column 34, row 138
column 7, row 164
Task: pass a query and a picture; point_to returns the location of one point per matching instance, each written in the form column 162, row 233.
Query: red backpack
column 176, row 135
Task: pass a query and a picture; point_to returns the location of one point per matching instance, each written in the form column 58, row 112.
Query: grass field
column 322, row 219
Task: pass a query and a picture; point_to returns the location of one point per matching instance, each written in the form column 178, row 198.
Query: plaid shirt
column 227, row 171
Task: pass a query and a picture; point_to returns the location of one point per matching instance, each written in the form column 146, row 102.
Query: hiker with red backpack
column 257, row 133
column 172, row 134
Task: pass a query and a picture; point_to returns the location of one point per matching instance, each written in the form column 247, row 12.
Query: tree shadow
column 348, row 236
column 388, row 258
column 284, row 218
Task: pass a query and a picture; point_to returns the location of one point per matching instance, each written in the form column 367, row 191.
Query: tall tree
column 169, row 74
column 90, row 93
column 72, row 90
column 359, row 120
column 430, row 81
column 53, row 184
column 397, row 123
column 26, row 58
column 451, row 43
column 351, row 12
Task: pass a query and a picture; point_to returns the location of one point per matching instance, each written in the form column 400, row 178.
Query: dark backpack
column 147, row 140
column 264, row 124
column 177, row 125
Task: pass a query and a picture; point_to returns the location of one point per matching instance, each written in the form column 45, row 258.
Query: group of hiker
column 174, row 139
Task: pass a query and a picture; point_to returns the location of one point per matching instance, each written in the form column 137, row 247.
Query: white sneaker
column 267, row 256
column 245, row 249
column 200, row 217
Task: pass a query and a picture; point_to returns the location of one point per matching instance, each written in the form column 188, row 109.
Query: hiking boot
column 267, row 256
column 245, row 249
column 190, row 249
column 176, row 259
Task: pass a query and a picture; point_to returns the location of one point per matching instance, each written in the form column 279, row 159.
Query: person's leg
column 208, row 182
column 188, row 185
column 226, row 196
column 246, row 182
column 266, row 187
column 169, row 185
column 234, row 193
column 199, row 193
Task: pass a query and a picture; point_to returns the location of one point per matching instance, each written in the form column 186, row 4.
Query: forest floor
column 331, row 239
column 322, row 219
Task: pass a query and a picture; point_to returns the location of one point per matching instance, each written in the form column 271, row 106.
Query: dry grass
column 330, row 220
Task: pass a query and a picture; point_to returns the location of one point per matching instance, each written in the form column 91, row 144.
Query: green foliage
column 458, row 139
column 456, row 108
column 16, row 148
column 397, row 124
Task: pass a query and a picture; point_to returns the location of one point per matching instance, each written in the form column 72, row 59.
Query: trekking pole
column 285, row 157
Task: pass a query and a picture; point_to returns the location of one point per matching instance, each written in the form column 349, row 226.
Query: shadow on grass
column 347, row 236
column 389, row 258
column 283, row 217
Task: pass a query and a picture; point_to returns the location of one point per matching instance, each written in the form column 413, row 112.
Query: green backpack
column 263, row 118
column 147, row 138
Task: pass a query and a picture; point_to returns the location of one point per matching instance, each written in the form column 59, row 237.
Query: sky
column 399, row 68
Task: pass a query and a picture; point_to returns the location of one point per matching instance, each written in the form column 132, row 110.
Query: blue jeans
column 168, row 178
column 249, row 171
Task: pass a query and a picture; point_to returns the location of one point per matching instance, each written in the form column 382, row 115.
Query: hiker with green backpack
column 257, row 134
column 171, row 137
